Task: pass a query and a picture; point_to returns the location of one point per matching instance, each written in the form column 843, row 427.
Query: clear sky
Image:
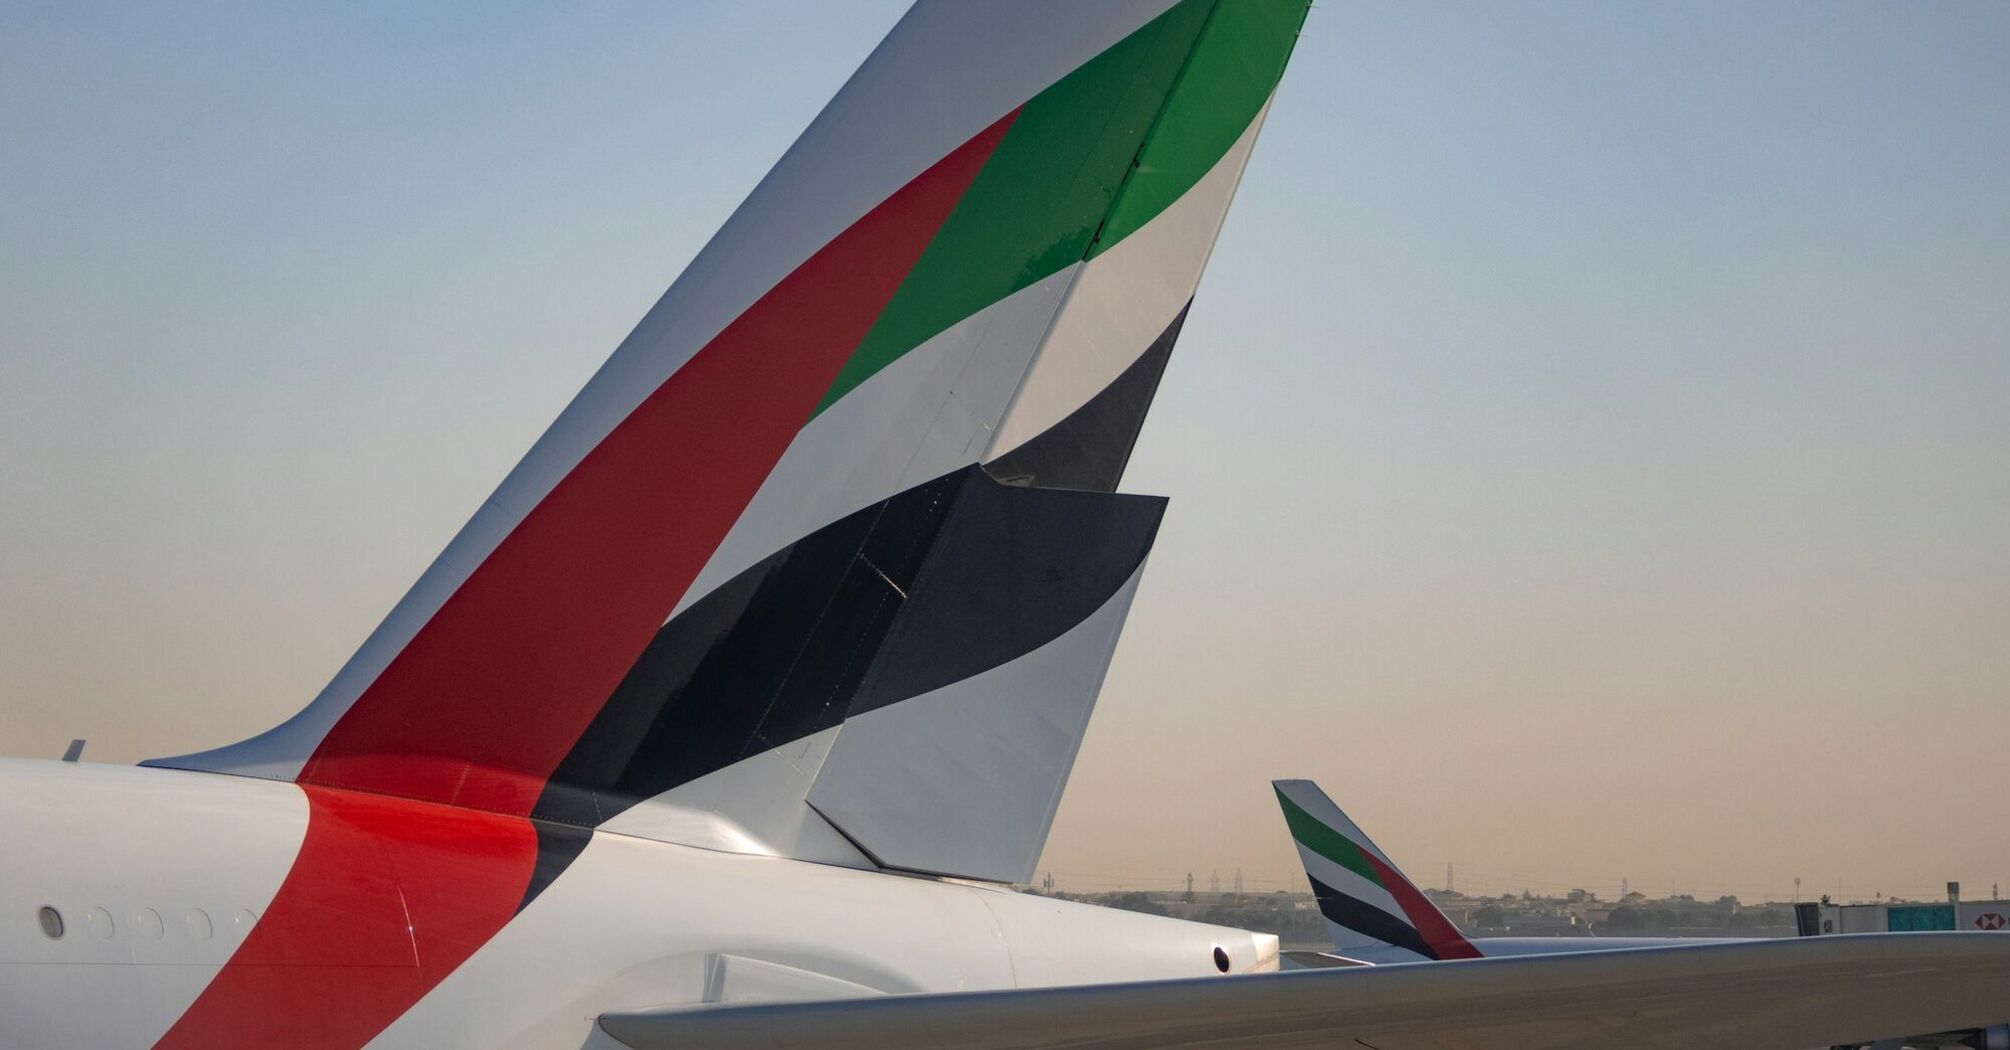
column 1590, row 448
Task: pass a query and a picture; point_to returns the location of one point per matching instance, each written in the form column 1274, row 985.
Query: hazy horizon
column 1588, row 448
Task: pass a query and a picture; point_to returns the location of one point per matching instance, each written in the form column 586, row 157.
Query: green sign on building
column 1920, row 917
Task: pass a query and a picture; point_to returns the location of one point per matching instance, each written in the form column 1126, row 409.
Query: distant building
column 1951, row 914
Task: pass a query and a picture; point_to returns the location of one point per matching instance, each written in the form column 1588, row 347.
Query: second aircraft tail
column 1367, row 902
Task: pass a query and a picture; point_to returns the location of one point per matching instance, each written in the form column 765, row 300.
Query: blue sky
column 1591, row 412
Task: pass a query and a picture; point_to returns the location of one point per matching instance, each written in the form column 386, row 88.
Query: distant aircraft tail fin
column 1367, row 902
column 756, row 587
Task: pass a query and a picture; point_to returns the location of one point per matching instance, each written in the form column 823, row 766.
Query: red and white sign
column 1991, row 920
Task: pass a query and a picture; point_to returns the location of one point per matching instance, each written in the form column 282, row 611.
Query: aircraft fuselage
column 162, row 880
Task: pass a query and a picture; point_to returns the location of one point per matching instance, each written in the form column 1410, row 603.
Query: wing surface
column 1803, row 992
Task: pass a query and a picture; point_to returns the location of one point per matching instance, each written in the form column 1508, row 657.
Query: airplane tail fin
column 1367, row 902
column 827, row 560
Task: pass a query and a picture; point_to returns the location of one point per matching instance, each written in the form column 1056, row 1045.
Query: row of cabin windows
column 148, row 921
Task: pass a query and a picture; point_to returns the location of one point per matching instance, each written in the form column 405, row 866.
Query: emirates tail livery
column 728, row 719
column 1377, row 915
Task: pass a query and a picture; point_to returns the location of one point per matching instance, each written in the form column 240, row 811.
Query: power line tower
column 1238, row 882
column 1047, row 884
column 1214, row 881
column 1448, row 877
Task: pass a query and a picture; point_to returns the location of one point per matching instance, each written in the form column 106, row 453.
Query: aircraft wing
column 1802, row 992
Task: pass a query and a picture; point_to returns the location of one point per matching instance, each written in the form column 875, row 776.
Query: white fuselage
column 159, row 875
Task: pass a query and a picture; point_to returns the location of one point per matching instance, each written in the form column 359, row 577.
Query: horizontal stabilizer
column 922, row 671
column 955, row 773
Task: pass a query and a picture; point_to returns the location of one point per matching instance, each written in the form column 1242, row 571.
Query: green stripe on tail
column 1326, row 842
column 1087, row 162
column 1235, row 65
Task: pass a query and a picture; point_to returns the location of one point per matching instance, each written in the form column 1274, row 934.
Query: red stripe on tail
column 484, row 702
column 1438, row 931
column 389, row 895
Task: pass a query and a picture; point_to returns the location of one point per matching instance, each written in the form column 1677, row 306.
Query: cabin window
column 52, row 922
column 1221, row 960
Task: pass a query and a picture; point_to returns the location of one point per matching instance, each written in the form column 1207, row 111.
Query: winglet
column 1367, row 902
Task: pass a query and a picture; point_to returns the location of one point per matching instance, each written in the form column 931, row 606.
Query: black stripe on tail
column 944, row 581
column 1361, row 917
